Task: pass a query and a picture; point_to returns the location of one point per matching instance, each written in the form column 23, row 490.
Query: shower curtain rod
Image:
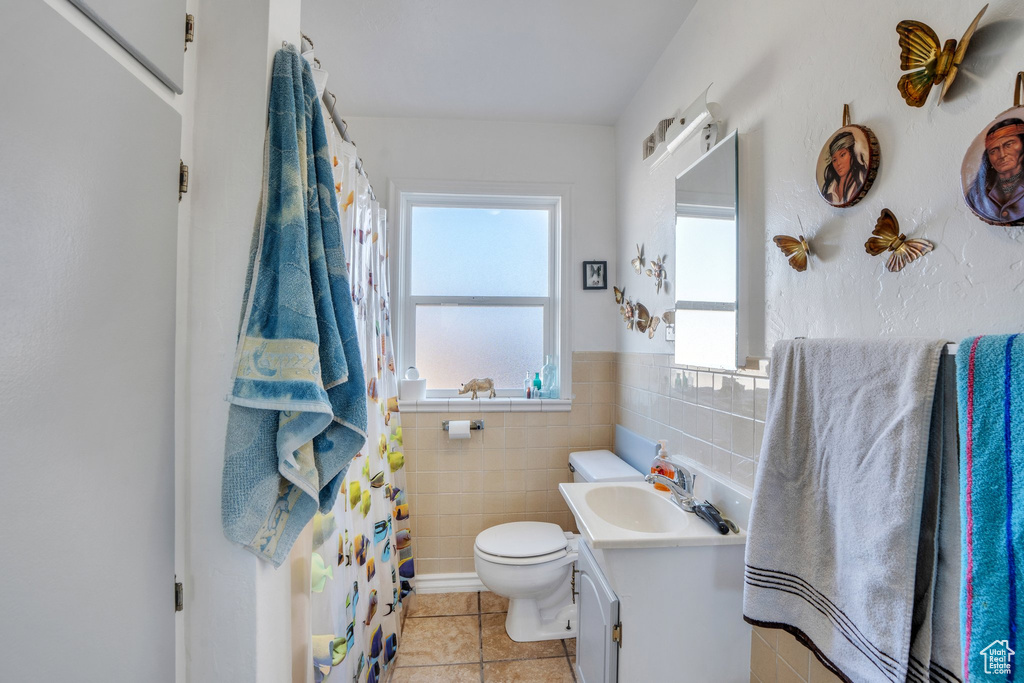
column 342, row 127
column 339, row 122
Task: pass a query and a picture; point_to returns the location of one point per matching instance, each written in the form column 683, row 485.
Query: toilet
column 531, row 563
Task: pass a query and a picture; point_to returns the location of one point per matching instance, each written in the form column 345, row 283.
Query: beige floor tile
column 570, row 645
column 461, row 673
column 443, row 604
column 554, row 670
column 497, row 644
column 440, row 640
column 489, row 602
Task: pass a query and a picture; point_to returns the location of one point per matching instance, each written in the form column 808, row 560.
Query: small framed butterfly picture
column 595, row 275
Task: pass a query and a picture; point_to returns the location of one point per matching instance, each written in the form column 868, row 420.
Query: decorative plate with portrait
column 847, row 165
column 992, row 175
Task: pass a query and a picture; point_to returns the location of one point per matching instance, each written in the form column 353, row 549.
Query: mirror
column 707, row 261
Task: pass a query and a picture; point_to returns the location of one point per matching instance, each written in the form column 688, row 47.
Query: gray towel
column 853, row 539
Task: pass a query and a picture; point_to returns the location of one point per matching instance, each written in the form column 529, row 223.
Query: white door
column 152, row 30
column 88, row 218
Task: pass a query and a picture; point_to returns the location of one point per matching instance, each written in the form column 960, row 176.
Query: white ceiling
column 567, row 61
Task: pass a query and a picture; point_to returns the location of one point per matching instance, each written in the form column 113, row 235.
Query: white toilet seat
column 521, row 561
column 524, row 540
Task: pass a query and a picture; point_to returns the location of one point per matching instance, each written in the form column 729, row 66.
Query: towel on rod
column 852, row 543
column 298, row 402
column 990, row 391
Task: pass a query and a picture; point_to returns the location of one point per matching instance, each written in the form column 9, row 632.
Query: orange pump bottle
column 663, row 466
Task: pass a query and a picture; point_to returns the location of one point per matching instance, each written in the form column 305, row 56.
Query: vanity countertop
column 635, row 515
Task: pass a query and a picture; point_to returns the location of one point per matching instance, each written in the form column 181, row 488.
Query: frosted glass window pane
column 706, row 338
column 457, row 343
column 479, row 252
column 705, row 259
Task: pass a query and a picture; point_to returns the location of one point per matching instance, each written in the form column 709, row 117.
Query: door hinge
column 182, row 179
column 190, row 29
column 617, row 633
column 179, row 597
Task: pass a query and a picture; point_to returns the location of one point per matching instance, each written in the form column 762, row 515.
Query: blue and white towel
column 298, row 404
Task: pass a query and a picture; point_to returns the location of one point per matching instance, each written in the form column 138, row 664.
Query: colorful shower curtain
column 362, row 565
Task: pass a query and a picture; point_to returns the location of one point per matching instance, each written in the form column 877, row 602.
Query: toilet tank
column 601, row 465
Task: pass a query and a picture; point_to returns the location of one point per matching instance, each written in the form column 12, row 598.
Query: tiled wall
column 717, row 419
column 714, row 418
column 508, row 472
column 777, row 657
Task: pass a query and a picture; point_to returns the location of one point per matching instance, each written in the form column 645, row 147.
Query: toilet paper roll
column 458, row 429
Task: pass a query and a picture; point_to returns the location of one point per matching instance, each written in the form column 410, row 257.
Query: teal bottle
column 536, row 385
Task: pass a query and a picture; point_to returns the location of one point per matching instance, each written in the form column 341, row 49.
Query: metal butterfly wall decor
column 929, row 63
column 657, row 271
column 795, row 249
column 645, row 322
column 639, row 262
column 887, row 237
column 626, row 309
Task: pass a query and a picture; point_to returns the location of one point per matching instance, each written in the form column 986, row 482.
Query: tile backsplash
column 714, row 418
column 507, row 472
column 510, row 470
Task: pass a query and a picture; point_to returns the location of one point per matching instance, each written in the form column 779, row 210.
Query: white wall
column 782, row 72
column 237, row 608
column 579, row 155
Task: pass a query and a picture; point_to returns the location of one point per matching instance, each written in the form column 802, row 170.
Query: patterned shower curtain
column 362, row 565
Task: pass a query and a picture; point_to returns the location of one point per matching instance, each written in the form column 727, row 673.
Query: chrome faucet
column 680, row 486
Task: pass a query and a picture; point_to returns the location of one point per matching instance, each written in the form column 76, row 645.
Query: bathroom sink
column 634, row 515
column 635, row 509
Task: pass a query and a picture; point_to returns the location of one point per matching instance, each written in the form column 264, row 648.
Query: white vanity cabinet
column 598, row 634
column 670, row 582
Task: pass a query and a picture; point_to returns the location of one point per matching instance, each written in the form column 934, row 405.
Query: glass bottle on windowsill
column 549, row 377
column 537, row 386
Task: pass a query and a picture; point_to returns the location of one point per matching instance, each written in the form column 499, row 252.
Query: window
column 479, row 286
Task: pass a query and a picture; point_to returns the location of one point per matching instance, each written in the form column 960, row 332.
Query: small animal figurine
column 796, row 249
column 475, row 385
column 639, row 262
column 887, row 237
column 931, row 64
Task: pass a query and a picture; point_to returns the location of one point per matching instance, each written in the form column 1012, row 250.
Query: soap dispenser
column 662, row 465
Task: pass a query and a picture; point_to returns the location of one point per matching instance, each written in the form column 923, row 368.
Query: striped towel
column 853, row 538
column 990, row 390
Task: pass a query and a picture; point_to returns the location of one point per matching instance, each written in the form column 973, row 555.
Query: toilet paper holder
column 473, row 424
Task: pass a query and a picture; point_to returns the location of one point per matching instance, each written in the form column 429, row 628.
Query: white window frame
column 406, row 194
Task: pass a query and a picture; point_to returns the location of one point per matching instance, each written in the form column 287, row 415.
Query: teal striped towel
column 298, row 404
column 990, row 389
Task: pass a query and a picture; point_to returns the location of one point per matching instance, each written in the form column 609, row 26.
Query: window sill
column 486, row 405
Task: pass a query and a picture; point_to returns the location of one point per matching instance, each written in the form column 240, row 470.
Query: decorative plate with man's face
column 992, row 175
column 847, row 165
